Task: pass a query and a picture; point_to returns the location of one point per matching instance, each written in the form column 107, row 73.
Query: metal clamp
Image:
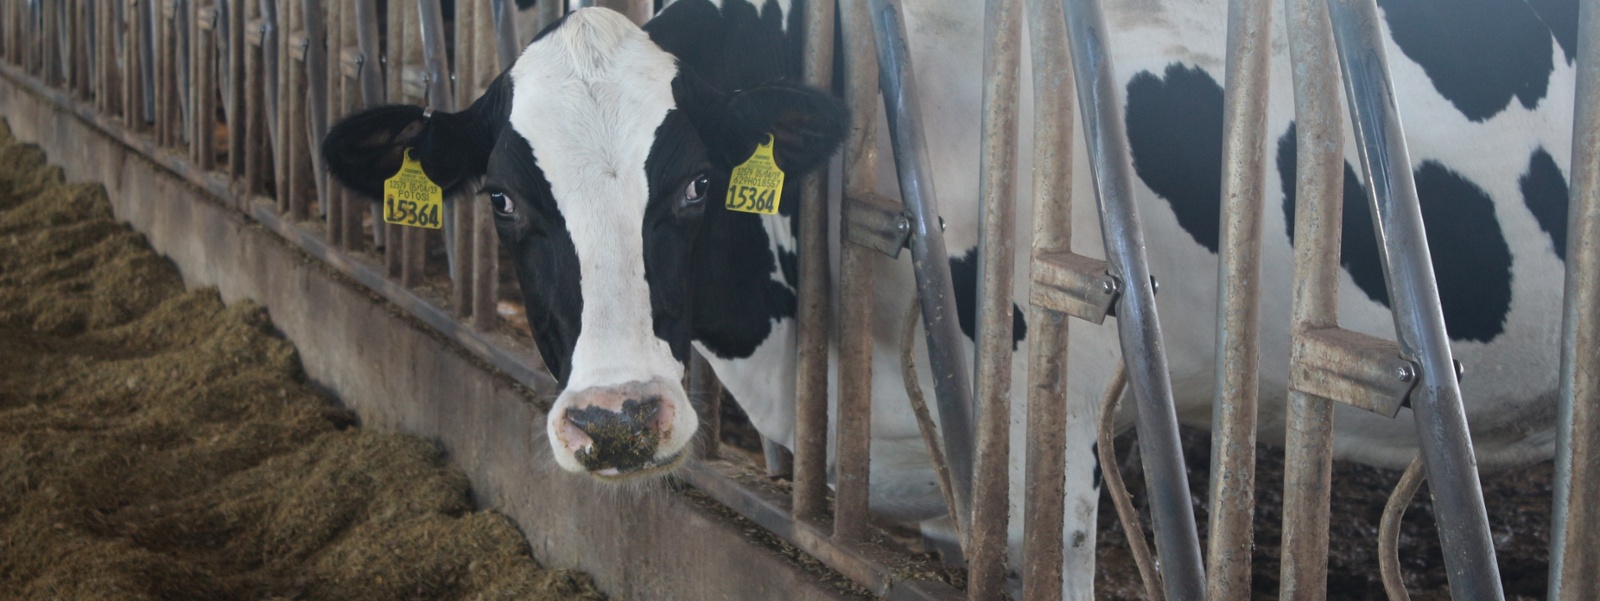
column 1073, row 284
column 876, row 222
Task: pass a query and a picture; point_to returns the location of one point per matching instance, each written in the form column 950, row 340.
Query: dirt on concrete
column 156, row 444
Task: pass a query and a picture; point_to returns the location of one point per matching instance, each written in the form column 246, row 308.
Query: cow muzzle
column 622, row 432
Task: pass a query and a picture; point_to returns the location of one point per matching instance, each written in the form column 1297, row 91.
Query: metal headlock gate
column 167, row 75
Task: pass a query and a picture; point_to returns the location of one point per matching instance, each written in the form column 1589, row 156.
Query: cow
column 606, row 152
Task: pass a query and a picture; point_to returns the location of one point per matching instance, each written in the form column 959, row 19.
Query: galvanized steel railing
column 242, row 90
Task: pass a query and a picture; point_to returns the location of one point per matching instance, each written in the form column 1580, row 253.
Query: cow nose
column 619, row 440
column 613, row 432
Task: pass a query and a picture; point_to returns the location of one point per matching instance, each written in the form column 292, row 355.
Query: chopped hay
column 155, row 444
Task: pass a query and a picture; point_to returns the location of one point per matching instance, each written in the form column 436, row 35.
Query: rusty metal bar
column 204, row 87
column 1394, row 512
column 369, row 67
column 857, row 274
column 1137, row 321
column 952, row 388
column 1043, row 551
column 301, row 187
column 1319, row 189
column 485, row 259
column 459, row 215
column 986, row 536
column 256, row 131
column 314, row 19
column 1233, row 421
column 1575, row 531
column 233, row 21
column 810, row 450
column 441, row 97
column 1441, row 421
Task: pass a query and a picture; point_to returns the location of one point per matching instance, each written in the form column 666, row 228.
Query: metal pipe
column 852, row 459
column 986, row 539
column 371, row 70
column 316, row 32
column 1419, row 321
column 814, row 315
column 1244, row 169
column 505, row 32
column 1043, row 551
column 1319, row 190
column 1394, row 512
column 1575, row 540
column 1138, row 323
column 147, row 60
column 952, row 388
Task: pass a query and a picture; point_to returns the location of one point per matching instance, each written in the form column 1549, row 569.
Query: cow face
column 602, row 157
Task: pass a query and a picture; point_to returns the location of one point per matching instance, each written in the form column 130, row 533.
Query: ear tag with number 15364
column 411, row 199
column 756, row 185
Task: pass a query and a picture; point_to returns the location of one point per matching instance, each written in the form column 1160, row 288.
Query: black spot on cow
column 1544, row 190
column 1094, row 452
column 1478, row 53
column 1175, row 135
column 1471, row 259
column 964, row 276
column 1561, row 16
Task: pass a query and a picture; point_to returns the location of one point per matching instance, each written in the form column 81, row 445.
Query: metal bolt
column 1110, row 284
column 902, row 224
column 1406, row 372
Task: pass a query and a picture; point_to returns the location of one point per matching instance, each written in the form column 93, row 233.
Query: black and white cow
column 606, row 150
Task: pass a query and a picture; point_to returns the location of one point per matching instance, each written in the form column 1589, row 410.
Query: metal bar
column 505, row 32
column 301, row 186
column 442, row 98
column 1244, row 169
column 814, row 316
column 349, row 94
column 315, row 22
column 1043, row 551
column 637, row 11
column 986, row 537
column 461, row 236
column 1319, row 189
column 856, row 274
column 367, row 40
column 234, row 18
column 485, row 259
column 1139, row 325
column 1575, row 539
column 203, row 61
column 952, row 388
column 146, row 15
column 1419, row 321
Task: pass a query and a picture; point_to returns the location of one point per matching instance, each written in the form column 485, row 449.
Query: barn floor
column 156, row 444
column 1519, row 520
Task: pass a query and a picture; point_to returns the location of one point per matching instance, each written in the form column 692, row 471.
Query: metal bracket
column 877, row 222
column 1073, row 284
column 1349, row 367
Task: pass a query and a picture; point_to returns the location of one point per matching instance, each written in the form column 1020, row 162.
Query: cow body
column 610, row 132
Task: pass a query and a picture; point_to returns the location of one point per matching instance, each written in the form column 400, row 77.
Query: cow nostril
column 623, row 439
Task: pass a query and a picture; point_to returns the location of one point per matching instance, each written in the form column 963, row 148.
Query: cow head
column 603, row 157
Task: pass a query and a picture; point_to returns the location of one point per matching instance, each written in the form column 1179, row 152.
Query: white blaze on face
column 588, row 98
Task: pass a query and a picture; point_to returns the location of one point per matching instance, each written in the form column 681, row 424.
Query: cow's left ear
column 807, row 126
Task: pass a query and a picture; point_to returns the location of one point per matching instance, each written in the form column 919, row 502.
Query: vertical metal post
column 314, row 17
column 952, row 387
column 236, row 81
column 1319, row 190
column 1419, row 321
column 1575, row 540
column 505, row 32
column 146, row 16
column 814, row 318
column 485, row 258
column 856, row 275
column 1043, row 551
column 1233, row 438
column 1137, row 320
column 442, row 98
column 986, row 536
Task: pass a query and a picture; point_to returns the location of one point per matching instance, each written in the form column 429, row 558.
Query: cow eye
column 696, row 190
column 502, row 205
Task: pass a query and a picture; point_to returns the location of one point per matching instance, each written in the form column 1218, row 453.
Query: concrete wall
column 398, row 374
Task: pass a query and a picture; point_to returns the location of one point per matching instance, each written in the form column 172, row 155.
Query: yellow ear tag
column 756, row 185
column 410, row 198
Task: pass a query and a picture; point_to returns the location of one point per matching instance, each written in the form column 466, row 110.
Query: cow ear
column 807, row 125
column 365, row 149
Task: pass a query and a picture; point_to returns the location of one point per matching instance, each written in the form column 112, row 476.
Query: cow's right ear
column 365, row 149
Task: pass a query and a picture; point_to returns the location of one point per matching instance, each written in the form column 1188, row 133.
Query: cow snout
column 618, row 432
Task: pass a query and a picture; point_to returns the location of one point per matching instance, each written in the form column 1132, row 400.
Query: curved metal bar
column 1419, row 321
column 1138, row 324
column 1575, row 531
column 952, row 386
